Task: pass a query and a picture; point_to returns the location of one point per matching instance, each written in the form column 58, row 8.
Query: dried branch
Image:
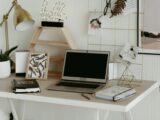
column 118, row 7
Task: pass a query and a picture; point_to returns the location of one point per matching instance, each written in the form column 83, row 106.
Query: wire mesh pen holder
column 128, row 78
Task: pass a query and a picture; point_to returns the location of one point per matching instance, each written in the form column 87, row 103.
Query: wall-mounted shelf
column 67, row 43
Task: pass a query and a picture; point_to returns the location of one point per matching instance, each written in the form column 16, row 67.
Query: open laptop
column 83, row 71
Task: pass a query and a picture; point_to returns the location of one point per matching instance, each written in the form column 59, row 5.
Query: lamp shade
column 128, row 53
column 22, row 19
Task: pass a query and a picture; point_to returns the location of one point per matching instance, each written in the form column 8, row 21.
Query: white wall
column 115, row 33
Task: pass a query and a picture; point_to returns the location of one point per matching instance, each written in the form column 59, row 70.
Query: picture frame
column 149, row 30
column 37, row 67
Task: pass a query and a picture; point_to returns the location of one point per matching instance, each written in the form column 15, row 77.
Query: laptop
column 83, row 71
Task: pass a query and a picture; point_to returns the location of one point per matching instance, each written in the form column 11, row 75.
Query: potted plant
column 5, row 63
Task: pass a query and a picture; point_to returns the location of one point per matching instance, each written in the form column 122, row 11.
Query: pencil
column 83, row 95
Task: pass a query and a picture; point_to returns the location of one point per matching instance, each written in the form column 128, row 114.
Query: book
column 25, row 86
column 115, row 93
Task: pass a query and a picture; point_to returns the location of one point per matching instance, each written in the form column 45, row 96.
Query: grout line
column 118, row 29
column 107, row 45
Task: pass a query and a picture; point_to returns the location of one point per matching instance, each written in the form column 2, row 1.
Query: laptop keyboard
column 79, row 85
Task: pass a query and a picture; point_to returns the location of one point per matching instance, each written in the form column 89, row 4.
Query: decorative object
column 95, row 22
column 149, row 41
column 5, row 63
column 60, row 45
column 127, row 56
column 22, row 20
column 55, row 16
column 21, row 62
column 118, row 7
column 37, row 66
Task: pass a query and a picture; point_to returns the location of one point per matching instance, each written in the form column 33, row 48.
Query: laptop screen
column 86, row 65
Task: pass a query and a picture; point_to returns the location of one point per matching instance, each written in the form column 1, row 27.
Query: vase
column 5, row 69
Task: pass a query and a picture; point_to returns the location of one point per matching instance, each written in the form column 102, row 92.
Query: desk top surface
column 75, row 99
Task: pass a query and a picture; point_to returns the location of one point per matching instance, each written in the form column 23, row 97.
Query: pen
column 82, row 94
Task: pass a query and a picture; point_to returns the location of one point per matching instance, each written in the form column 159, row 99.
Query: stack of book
column 115, row 93
column 25, row 86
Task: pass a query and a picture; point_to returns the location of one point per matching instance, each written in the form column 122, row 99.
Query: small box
column 21, row 58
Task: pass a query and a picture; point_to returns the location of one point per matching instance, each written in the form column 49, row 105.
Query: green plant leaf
column 5, row 56
column 8, row 52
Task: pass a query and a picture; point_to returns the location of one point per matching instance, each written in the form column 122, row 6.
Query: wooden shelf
column 56, row 58
column 51, row 43
column 67, row 43
column 54, row 74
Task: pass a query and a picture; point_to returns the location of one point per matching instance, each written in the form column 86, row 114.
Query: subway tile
column 141, row 21
column 111, row 49
column 122, row 21
column 95, row 5
column 94, row 39
column 132, row 21
column 121, row 37
column 108, row 37
column 108, row 22
column 94, row 47
column 132, row 37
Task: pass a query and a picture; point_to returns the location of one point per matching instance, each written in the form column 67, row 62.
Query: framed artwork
column 149, row 41
column 37, row 66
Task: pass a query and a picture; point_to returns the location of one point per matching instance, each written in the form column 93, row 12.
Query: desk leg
column 14, row 112
column 102, row 114
column 23, row 110
column 129, row 115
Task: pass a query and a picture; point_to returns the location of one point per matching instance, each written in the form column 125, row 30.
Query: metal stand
column 127, row 76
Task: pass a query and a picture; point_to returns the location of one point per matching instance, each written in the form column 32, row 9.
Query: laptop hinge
column 87, row 82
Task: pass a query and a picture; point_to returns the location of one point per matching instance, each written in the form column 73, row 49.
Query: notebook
column 25, row 86
column 115, row 93
column 83, row 71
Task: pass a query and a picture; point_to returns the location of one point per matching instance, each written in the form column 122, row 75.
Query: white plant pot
column 5, row 69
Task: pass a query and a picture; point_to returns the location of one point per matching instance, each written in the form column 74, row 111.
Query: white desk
column 75, row 99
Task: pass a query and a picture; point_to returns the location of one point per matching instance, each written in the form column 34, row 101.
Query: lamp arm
column 5, row 16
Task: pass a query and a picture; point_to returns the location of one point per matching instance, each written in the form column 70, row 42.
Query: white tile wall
column 108, row 22
column 95, row 5
column 122, row 36
column 108, row 37
column 122, row 22
column 115, row 32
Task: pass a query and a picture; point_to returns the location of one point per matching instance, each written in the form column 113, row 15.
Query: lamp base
column 51, row 24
